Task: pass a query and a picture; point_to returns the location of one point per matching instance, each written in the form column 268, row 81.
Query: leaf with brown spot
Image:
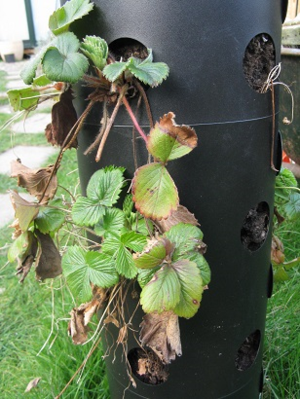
column 80, row 317
column 25, row 211
column 179, row 215
column 33, row 384
column 35, row 181
column 48, row 262
column 64, row 118
column 168, row 141
column 161, row 333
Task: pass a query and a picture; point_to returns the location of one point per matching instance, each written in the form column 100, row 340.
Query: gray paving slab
column 36, row 123
column 31, row 156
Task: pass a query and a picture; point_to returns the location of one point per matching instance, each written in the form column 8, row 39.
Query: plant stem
column 122, row 92
column 133, row 118
column 145, row 98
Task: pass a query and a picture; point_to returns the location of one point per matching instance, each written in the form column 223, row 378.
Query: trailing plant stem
column 110, row 122
column 134, row 120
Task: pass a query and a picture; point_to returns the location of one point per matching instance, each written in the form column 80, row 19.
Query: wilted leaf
column 96, row 49
column 48, row 262
column 62, row 62
column 23, row 99
column 180, row 215
column 27, row 258
column 168, row 141
column 64, row 118
column 80, row 317
column 277, row 251
column 161, row 333
column 19, row 246
column 85, row 268
column 63, row 17
column 25, row 211
column 154, row 192
column 32, row 384
column 35, row 181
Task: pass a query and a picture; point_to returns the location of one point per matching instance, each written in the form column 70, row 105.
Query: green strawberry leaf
column 96, row 49
column 145, row 275
column 29, row 71
column 190, row 288
column 154, row 192
column 41, row 81
column 168, row 141
column 124, row 262
column 162, row 292
column 113, row 71
column 83, row 268
column 185, row 238
column 87, row 212
column 147, row 71
column 62, row 18
column 202, row 264
column 49, row 219
column 112, row 222
column 292, row 208
column 152, row 256
column 62, row 62
column 134, row 241
column 105, row 185
column 23, row 99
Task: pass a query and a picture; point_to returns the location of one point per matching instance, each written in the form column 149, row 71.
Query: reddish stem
column 134, row 120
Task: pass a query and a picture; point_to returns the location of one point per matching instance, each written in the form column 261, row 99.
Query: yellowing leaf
column 168, row 141
column 154, row 192
column 25, row 211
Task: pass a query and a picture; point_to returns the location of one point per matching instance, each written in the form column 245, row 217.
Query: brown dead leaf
column 182, row 133
column 122, row 334
column 111, row 319
column 25, row 211
column 35, row 181
column 80, row 317
column 161, row 333
column 180, row 215
column 48, row 262
column 64, row 118
column 33, row 384
column 277, row 255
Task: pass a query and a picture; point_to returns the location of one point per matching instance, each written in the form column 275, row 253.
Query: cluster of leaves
column 287, row 207
column 159, row 244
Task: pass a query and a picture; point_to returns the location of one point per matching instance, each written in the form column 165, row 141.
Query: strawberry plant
column 120, row 232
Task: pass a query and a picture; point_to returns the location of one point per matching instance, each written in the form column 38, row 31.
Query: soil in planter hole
column 259, row 60
column 247, row 352
column 147, row 366
column 255, row 227
column 125, row 48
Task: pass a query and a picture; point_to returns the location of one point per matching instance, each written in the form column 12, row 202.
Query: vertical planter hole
column 147, row 366
column 247, row 352
column 259, row 60
column 256, row 226
column 124, row 48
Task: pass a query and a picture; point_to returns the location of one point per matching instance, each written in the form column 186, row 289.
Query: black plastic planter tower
column 227, row 181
